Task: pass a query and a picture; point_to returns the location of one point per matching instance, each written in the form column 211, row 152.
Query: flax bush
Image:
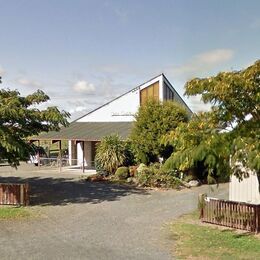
column 112, row 152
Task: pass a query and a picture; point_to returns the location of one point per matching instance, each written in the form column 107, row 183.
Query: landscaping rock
column 129, row 180
column 122, row 173
column 194, row 183
column 186, row 184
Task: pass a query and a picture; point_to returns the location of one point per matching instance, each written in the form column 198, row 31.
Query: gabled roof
column 138, row 87
column 95, row 131
column 88, row 131
column 135, row 88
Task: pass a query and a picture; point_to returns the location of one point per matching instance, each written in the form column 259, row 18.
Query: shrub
column 98, row 167
column 122, row 173
column 112, row 152
column 188, row 178
column 156, row 176
column 144, row 177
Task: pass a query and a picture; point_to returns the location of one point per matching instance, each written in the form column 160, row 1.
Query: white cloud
column 83, row 86
column 215, row 57
column 77, row 109
column 197, row 105
column 201, row 63
column 29, row 83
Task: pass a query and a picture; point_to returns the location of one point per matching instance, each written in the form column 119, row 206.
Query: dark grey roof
column 88, row 131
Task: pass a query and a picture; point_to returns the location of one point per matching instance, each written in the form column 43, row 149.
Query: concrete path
column 79, row 220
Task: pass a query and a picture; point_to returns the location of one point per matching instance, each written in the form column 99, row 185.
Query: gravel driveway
column 79, row 220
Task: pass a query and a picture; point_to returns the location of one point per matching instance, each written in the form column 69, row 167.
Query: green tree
column 199, row 147
column 20, row 119
column 153, row 121
column 232, row 125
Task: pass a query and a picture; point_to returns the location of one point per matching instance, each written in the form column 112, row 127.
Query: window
column 167, row 93
column 150, row 92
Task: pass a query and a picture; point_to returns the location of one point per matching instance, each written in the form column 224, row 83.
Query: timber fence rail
column 232, row 214
column 63, row 164
column 14, row 194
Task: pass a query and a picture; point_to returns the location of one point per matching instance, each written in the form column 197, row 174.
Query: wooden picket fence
column 14, row 194
column 232, row 214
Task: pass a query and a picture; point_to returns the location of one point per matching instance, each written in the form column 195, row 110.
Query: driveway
column 81, row 220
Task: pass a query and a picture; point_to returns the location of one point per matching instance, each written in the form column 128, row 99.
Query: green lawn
column 7, row 212
column 194, row 241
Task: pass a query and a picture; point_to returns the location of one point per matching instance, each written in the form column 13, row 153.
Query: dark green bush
column 98, row 167
column 122, row 173
column 153, row 121
column 156, row 176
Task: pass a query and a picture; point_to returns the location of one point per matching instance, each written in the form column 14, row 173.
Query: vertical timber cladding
column 167, row 93
column 150, row 92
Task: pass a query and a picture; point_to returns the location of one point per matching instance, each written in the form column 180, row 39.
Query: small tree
column 20, row 119
column 112, row 152
column 199, row 147
column 154, row 120
column 230, row 132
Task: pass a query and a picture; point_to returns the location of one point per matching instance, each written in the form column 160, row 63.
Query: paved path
column 79, row 220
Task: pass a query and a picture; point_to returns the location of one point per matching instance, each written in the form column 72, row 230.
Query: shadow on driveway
column 61, row 191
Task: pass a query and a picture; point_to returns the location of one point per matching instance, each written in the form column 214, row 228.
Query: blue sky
column 83, row 53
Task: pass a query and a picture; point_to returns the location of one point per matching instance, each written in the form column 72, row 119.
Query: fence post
column 257, row 218
column 201, row 204
column 26, row 192
column 21, row 202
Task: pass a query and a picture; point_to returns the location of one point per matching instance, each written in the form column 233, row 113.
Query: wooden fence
column 14, row 194
column 232, row 214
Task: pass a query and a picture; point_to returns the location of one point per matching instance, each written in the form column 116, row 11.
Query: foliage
column 129, row 154
column 112, row 152
column 122, row 173
column 230, row 132
column 156, row 176
column 199, row 141
column 20, row 119
column 193, row 241
column 154, row 120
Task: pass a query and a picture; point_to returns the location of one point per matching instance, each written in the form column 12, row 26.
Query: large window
column 167, row 93
column 150, row 92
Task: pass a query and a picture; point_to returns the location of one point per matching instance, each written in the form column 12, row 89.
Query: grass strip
column 8, row 212
column 196, row 241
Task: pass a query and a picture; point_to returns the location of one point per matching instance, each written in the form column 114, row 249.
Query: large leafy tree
column 199, row 147
column 230, row 128
column 20, row 118
column 154, row 120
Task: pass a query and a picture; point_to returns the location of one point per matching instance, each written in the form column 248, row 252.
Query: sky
column 83, row 53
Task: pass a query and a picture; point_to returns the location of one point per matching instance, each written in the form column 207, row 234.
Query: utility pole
column 0, row 79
